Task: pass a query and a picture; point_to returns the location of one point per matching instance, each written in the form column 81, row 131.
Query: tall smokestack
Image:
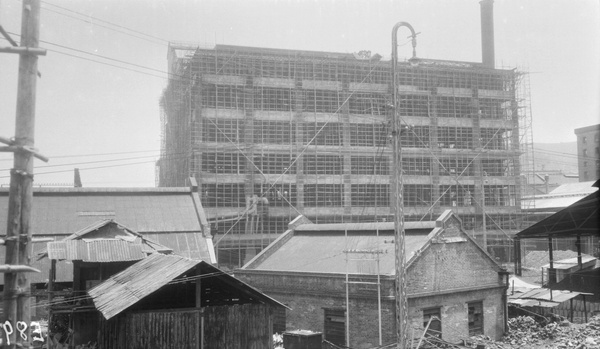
column 487, row 33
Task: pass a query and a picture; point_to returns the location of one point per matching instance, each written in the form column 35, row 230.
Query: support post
column 18, row 243
column 517, row 255
column 200, row 325
column 578, row 246
column 551, row 271
column 398, row 204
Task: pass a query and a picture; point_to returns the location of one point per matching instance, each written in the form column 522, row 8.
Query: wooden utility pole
column 18, row 234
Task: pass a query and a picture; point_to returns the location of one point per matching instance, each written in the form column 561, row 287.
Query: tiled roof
column 67, row 210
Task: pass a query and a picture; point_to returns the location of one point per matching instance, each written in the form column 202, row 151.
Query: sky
column 97, row 105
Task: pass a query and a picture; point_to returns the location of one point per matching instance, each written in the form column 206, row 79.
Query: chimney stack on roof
column 487, row 33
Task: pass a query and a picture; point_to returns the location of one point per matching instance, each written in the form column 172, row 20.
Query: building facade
column 271, row 134
column 328, row 275
column 588, row 152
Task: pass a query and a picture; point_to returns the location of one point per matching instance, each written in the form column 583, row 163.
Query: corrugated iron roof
column 363, row 226
column 542, row 297
column 100, row 250
column 187, row 244
column 62, row 211
column 325, row 253
column 103, row 241
column 581, row 218
column 143, row 278
column 571, row 262
column 134, row 283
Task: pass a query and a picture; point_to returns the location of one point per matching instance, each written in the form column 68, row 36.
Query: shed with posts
column 169, row 301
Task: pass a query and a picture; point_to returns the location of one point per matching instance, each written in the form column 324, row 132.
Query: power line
column 102, row 21
column 96, row 154
column 103, row 57
column 182, row 157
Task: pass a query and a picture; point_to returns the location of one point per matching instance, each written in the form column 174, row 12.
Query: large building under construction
column 272, row 134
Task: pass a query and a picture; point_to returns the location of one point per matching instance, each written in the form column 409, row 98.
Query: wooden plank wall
column 247, row 326
column 225, row 327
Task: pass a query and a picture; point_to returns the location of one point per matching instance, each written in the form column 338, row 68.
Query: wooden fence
column 224, row 327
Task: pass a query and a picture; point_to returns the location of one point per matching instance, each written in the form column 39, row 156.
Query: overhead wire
column 149, row 38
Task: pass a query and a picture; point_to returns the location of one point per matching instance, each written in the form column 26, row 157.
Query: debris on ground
column 525, row 332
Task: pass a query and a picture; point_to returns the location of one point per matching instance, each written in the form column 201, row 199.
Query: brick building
column 449, row 277
column 588, row 152
column 309, row 131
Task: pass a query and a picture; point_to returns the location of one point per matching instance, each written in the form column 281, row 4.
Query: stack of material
column 525, row 332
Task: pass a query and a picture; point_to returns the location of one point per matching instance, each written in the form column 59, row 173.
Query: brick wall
column 454, row 312
column 299, row 293
column 451, row 265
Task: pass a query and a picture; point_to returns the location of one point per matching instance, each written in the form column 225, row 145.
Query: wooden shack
column 168, row 301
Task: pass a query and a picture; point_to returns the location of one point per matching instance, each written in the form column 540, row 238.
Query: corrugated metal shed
column 134, row 283
column 126, row 288
column 581, row 218
column 103, row 241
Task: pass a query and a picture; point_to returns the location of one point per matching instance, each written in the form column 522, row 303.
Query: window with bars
column 370, row 195
column 323, row 195
column 274, row 132
column 326, row 133
column 413, row 105
column 368, row 103
column 455, row 137
column 273, row 99
column 456, row 167
column 226, row 163
column 455, row 107
column 457, row 195
column 275, row 163
column 223, row 195
column 321, row 101
column 279, row 195
column 223, row 130
column 323, row 164
column 415, row 137
column 222, row 96
column 475, row 318
column 416, row 166
column 369, row 165
column 368, row 135
column 414, row 195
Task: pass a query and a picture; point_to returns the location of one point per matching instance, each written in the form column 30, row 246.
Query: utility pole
column 399, row 244
column 18, row 234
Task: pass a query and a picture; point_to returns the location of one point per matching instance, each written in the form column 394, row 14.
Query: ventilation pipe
column 487, row 33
